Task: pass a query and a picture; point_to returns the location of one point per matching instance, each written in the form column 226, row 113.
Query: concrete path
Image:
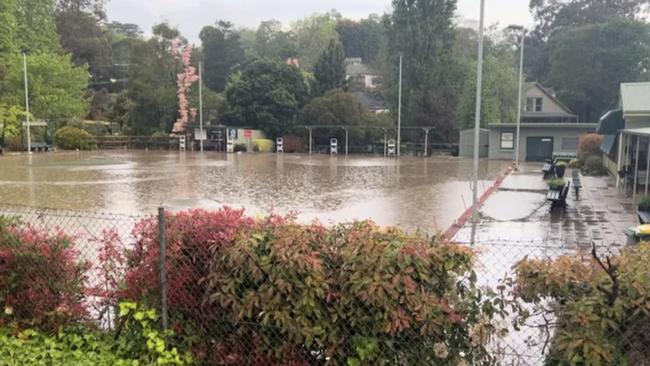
column 519, row 213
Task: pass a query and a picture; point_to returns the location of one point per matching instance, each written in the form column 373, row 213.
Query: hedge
column 72, row 138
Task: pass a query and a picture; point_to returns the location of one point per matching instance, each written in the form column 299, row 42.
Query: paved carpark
column 519, row 213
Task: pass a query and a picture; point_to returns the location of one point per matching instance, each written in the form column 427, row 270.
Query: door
column 539, row 148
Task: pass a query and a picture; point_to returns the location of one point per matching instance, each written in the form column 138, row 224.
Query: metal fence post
column 163, row 272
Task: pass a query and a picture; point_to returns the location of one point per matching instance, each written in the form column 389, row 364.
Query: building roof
column 645, row 131
column 568, row 125
column 370, row 101
column 359, row 70
column 635, row 99
column 549, row 93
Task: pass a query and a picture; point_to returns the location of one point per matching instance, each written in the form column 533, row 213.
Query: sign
column 248, row 133
column 200, row 134
column 232, row 134
column 279, row 145
column 334, row 146
column 230, row 146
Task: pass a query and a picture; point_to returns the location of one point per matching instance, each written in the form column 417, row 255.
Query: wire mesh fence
column 267, row 291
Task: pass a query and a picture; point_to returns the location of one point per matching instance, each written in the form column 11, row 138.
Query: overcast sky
column 191, row 15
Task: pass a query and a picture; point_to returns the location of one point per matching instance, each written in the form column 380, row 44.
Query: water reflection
column 409, row 192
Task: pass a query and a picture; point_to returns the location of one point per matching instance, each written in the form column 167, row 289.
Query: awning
column 609, row 142
column 611, row 122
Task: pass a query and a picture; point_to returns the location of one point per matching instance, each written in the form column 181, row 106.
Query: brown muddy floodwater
column 412, row 193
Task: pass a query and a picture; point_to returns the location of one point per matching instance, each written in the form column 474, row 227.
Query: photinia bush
column 270, row 291
column 41, row 277
column 601, row 306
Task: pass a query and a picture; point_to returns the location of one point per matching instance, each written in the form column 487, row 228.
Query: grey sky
column 191, row 15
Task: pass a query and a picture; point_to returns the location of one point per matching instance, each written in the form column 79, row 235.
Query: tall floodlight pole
column 399, row 108
column 477, row 117
column 29, row 137
column 521, row 83
column 201, row 102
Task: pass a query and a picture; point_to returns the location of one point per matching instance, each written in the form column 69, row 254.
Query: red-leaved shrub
column 590, row 145
column 190, row 239
column 41, row 278
column 273, row 292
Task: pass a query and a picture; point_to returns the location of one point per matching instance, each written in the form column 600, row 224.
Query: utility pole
column 477, row 118
column 29, row 137
column 520, row 96
column 399, row 108
column 201, row 102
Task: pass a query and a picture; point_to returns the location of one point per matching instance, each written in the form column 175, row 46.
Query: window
column 530, row 104
column 507, row 140
column 534, row 104
column 570, row 144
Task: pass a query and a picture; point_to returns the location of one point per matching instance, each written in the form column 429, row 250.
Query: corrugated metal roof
column 635, row 99
column 586, row 126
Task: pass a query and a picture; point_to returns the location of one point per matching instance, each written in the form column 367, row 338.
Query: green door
column 539, row 148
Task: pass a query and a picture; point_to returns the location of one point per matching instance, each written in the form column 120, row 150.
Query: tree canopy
column 222, row 51
column 329, row 70
column 267, row 95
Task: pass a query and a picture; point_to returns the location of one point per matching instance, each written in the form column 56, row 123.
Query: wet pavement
column 519, row 213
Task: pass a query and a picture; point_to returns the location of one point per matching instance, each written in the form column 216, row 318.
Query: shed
column 466, row 143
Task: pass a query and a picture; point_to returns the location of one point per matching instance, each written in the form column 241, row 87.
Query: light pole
column 29, row 137
column 477, row 119
column 201, row 103
column 399, row 108
column 521, row 83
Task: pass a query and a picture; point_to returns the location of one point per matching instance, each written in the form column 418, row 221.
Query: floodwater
column 410, row 192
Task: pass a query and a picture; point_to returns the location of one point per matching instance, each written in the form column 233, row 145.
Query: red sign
column 248, row 133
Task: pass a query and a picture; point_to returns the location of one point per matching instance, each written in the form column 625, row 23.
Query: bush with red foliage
column 190, row 238
column 41, row 278
column 590, row 145
column 270, row 291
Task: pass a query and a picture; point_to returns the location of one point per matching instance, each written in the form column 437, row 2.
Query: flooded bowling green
column 409, row 192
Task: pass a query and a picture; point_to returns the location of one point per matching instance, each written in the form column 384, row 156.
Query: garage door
column 539, row 148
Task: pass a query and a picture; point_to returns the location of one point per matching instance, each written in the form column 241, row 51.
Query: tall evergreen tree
column 222, row 51
column 329, row 69
column 423, row 32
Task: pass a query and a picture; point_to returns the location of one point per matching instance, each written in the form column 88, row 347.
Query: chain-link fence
column 267, row 291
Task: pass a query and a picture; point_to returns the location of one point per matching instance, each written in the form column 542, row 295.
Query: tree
column 36, row 29
column 338, row 108
column 56, row 88
column 329, row 70
column 422, row 31
column 267, row 95
column 152, row 84
column 588, row 63
column 10, row 118
column 273, row 43
column 7, row 26
column 313, row 35
column 558, row 15
column 500, row 79
column 128, row 30
column 364, row 38
column 222, row 51
column 82, row 36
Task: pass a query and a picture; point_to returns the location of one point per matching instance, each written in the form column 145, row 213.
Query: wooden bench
column 577, row 184
column 558, row 198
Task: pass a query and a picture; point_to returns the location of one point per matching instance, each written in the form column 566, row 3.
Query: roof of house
column 635, row 99
column 370, row 101
column 359, row 70
column 550, row 92
column 575, row 125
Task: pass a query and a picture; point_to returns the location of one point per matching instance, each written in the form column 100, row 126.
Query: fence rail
column 270, row 288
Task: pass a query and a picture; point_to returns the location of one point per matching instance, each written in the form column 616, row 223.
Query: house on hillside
column 360, row 75
column 626, row 143
column 548, row 128
column 372, row 102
